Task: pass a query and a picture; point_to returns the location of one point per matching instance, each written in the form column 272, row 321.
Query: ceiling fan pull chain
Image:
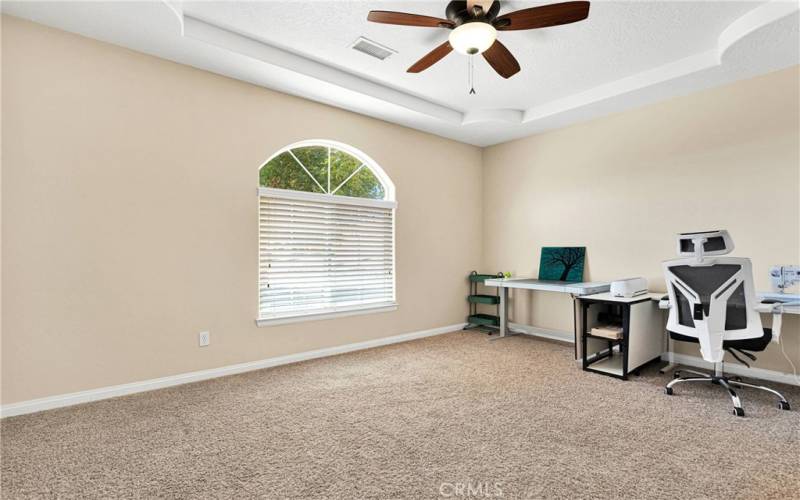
column 471, row 75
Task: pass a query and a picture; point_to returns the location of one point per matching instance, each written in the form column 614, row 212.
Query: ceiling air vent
column 373, row 49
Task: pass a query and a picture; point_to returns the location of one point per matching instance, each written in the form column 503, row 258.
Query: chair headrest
column 704, row 243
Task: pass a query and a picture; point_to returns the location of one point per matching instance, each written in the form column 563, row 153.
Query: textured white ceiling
column 617, row 40
column 625, row 54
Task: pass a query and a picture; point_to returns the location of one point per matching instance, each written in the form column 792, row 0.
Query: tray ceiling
column 625, row 54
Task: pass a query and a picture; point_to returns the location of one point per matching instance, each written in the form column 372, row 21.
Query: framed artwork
column 562, row 263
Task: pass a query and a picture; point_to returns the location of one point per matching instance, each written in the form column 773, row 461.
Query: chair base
column 726, row 383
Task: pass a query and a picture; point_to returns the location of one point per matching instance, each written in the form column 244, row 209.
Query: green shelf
column 480, row 296
column 484, row 299
column 483, row 319
column 480, row 278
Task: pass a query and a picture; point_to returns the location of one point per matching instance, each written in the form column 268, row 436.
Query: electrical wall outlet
column 204, row 338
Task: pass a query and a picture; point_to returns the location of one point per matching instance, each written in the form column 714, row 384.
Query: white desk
column 783, row 297
column 574, row 289
column 656, row 296
column 598, row 290
column 550, row 285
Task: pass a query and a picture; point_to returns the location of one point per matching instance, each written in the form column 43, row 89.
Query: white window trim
column 389, row 202
column 326, row 314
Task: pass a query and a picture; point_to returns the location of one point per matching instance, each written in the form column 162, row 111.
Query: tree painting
column 562, row 263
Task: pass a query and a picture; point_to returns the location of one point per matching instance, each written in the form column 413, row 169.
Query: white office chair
column 712, row 302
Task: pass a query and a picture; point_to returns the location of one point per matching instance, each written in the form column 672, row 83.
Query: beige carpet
column 449, row 416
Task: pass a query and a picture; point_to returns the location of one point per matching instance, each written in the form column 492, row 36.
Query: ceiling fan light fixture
column 474, row 26
column 473, row 38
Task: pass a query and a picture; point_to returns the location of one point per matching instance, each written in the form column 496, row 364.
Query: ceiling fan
column 475, row 25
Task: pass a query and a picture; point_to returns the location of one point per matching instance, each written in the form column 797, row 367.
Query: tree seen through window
column 321, row 169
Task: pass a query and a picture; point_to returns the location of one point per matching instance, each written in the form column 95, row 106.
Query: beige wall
column 129, row 216
column 129, row 208
column 624, row 185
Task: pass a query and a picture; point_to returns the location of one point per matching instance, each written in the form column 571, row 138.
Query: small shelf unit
column 478, row 296
column 642, row 334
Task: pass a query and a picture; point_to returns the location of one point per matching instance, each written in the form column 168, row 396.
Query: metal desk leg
column 574, row 324
column 503, row 314
column 670, row 366
column 503, row 311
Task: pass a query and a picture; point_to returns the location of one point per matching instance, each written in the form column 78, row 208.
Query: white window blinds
column 321, row 254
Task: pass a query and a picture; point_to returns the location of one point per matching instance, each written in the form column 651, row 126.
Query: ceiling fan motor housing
column 457, row 12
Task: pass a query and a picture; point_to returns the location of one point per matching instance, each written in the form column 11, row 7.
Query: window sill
column 314, row 316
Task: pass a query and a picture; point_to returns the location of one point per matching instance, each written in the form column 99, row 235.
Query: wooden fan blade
column 542, row 17
column 405, row 19
column 431, row 58
column 501, row 60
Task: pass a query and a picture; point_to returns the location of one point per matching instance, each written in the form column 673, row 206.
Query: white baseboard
column 542, row 332
column 732, row 368
column 48, row 403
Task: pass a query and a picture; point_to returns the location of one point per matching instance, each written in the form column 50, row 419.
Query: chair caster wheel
column 738, row 412
column 668, row 391
column 677, row 374
column 784, row 405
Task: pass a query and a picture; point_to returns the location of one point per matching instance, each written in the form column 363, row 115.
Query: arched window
column 326, row 233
